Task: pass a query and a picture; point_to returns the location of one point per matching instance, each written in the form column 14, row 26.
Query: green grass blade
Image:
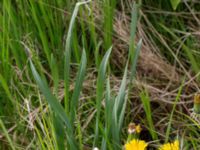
column 134, row 16
column 54, row 71
column 59, row 132
column 193, row 61
column 40, row 139
column 6, row 88
column 172, row 113
column 40, row 28
column 122, row 112
column 67, row 53
column 108, row 9
column 80, row 136
column 7, row 135
column 118, row 111
column 78, row 86
column 54, row 103
column 119, row 101
column 96, row 55
column 108, row 117
column 147, row 108
column 134, row 61
column 100, row 91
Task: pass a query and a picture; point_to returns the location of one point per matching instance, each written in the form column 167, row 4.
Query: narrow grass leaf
column 78, row 86
column 55, row 75
column 67, row 53
column 134, row 61
column 109, row 102
column 7, row 135
column 172, row 113
column 40, row 139
column 193, row 61
column 108, row 9
column 96, row 54
column 119, row 101
column 147, row 108
column 54, row 103
column 40, row 28
column 134, row 16
column 118, row 111
column 80, row 135
column 59, row 132
column 6, row 88
column 100, row 90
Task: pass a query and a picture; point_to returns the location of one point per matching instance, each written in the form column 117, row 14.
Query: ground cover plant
column 109, row 74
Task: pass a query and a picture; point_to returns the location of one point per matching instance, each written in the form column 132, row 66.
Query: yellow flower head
column 170, row 146
column 133, row 128
column 138, row 129
column 136, row 145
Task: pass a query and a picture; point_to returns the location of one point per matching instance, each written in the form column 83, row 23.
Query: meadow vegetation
column 75, row 74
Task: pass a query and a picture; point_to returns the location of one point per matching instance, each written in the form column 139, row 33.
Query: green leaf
column 118, row 110
column 67, row 54
column 6, row 88
column 147, row 108
column 175, row 3
column 77, row 90
column 134, row 18
column 59, row 132
column 5, row 131
column 188, row 52
column 173, row 110
column 134, row 61
column 100, row 90
column 55, row 105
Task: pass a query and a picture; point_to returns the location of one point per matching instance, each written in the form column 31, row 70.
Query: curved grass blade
column 54, row 104
column 67, row 53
